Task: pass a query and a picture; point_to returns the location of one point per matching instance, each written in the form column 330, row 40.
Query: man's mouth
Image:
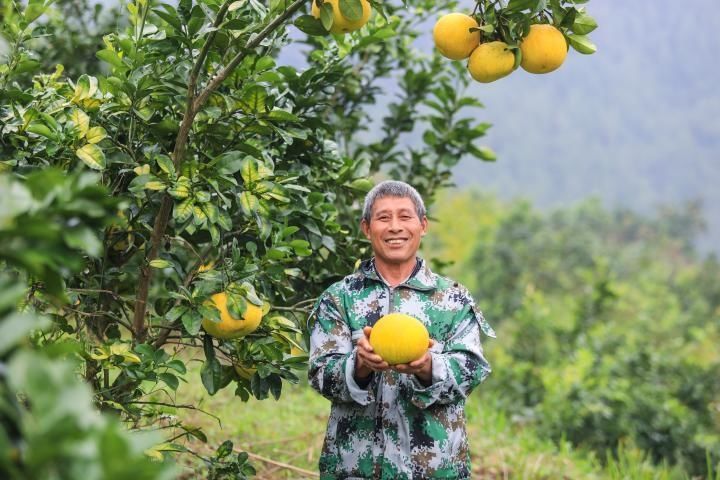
column 396, row 241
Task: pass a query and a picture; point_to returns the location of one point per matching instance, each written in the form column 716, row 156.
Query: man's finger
column 365, row 345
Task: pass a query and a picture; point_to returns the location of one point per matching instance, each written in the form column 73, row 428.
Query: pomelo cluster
column 457, row 36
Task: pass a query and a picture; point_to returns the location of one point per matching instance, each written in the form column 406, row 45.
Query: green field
column 284, row 439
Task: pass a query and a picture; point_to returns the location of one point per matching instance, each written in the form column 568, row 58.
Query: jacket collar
column 421, row 279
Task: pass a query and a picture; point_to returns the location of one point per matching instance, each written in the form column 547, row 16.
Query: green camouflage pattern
column 396, row 428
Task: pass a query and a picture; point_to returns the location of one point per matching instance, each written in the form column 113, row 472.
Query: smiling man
column 400, row 422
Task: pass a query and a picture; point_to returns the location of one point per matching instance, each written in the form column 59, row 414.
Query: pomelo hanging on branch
column 399, row 338
column 238, row 317
column 341, row 16
column 453, row 36
column 537, row 33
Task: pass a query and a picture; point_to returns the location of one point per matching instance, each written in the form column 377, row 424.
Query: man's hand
column 367, row 361
column 421, row 368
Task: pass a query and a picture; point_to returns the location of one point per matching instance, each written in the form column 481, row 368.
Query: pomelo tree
column 218, row 147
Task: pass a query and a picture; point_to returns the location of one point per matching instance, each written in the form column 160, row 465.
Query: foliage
column 49, row 426
column 208, row 150
column 601, row 339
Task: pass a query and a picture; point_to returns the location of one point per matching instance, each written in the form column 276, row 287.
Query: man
column 400, row 422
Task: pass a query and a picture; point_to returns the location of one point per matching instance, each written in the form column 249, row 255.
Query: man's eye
column 406, row 217
column 384, row 218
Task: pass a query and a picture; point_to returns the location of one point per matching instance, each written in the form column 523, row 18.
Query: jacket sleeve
column 332, row 356
column 458, row 365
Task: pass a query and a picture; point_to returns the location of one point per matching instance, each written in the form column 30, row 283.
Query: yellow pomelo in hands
column 543, row 50
column 342, row 25
column 491, row 61
column 453, row 37
column 399, row 338
column 229, row 327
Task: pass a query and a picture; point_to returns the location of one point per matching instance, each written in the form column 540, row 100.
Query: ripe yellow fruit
column 244, row 372
column 399, row 338
column 453, row 37
column 342, row 25
column 491, row 61
column 543, row 50
column 229, row 327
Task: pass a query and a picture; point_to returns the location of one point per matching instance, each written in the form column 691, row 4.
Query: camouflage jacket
column 396, row 428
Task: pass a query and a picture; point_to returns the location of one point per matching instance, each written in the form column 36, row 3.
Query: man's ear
column 424, row 223
column 365, row 227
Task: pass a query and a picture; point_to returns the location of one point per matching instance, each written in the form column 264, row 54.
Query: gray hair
column 392, row 188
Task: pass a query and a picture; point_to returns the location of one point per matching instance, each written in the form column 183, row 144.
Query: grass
column 290, row 431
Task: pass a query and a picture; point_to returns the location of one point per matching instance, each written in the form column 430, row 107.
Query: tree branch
column 193, row 107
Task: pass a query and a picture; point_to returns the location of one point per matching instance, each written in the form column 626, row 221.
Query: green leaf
column 81, row 123
column 310, row 25
column 582, row 44
column 160, row 263
column 192, row 321
column 236, row 305
column 252, row 171
column 41, row 129
column 85, row 87
column 224, row 449
column 184, row 210
column 283, row 116
column 249, row 203
column 26, row 65
column 199, row 215
column 92, row 156
column 170, row 380
column 181, row 189
column 235, row 5
column 583, row 24
column 211, row 375
column 326, row 15
column 483, row 153
column 277, row 193
column 519, row 5
column 352, row 10
column 165, row 164
column 178, row 366
column 170, row 16
column 95, row 134
column 155, row 185
column 254, row 99
column 175, row 313
column 111, row 57
column 361, row 184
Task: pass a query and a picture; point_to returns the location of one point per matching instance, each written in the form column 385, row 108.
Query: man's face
column 394, row 230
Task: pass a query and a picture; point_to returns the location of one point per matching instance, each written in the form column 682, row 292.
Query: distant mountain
column 635, row 124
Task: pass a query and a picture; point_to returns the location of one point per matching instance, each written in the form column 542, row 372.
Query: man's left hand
column 421, row 368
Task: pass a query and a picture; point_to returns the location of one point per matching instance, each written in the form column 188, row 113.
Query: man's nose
column 395, row 224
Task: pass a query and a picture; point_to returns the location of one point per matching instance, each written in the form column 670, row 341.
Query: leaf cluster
column 510, row 21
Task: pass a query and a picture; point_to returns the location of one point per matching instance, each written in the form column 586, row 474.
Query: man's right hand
column 367, row 361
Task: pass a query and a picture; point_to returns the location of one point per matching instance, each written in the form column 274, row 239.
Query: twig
column 281, row 464
column 186, row 407
column 292, row 457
